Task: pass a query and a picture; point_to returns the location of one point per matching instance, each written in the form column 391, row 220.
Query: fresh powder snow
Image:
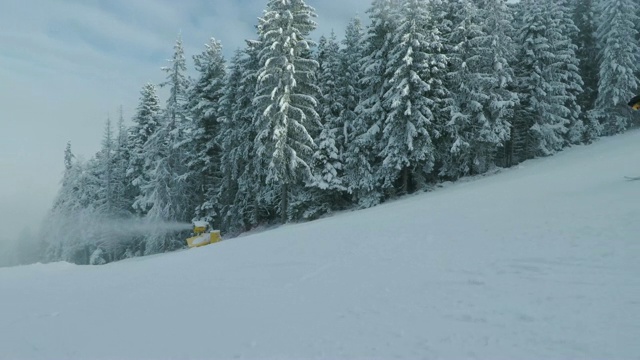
column 535, row 262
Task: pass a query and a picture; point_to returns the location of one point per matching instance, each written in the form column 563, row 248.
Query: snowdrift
column 536, row 262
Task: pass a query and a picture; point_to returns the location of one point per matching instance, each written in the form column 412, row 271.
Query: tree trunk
column 405, row 181
column 256, row 212
column 284, row 203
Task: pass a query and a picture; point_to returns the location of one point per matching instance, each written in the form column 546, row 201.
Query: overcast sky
column 65, row 65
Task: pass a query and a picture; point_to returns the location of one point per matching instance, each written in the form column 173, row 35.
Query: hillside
column 536, row 262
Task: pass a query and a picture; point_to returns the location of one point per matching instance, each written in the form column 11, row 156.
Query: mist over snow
column 81, row 222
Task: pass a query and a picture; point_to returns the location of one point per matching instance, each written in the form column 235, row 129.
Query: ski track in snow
column 536, row 262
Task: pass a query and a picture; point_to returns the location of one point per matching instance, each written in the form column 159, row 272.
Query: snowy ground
column 538, row 262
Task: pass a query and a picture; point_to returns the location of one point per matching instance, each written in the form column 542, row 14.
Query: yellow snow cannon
column 635, row 102
column 201, row 236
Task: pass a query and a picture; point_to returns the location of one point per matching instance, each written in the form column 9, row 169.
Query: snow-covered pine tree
column 327, row 163
column 542, row 117
column 123, row 192
column 329, row 67
column 331, row 102
column 468, row 132
column 244, row 182
column 568, row 65
column 516, row 149
column 349, row 80
column 79, row 240
column 443, row 16
column 619, row 65
column 321, row 53
column 146, row 123
column 66, row 199
column 498, row 49
column 113, row 201
column 123, row 189
column 176, row 115
column 229, row 139
column 69, row 157
column 65, row 227
column 105, row 207
column 585, row 40
column 205, row 153
column 415, row 69
column 285, row 96
column 158, row 193
column 637, row 27
column 362, row 161
column 167, row 194
column 64, row 202
column 105, row 158
column 178, row 85
column 325, row 191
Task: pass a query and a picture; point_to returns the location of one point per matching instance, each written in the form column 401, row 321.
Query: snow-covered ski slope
column 537, row 262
